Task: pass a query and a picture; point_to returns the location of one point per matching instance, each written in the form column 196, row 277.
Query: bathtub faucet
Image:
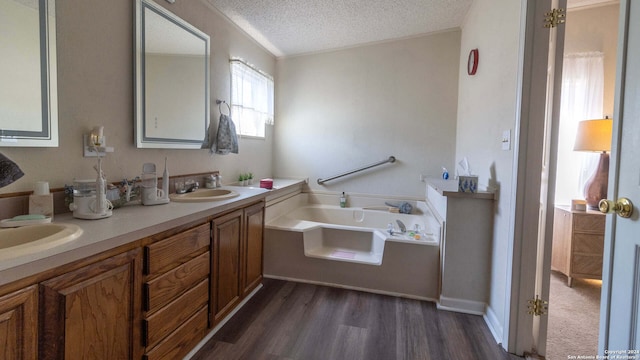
column 390, row 229
column 403, row 229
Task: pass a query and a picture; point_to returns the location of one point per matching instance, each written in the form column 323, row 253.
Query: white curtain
column 582, row 99
column 251, row 99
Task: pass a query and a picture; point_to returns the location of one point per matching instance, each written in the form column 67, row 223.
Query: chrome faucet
column 403, row 229
column 191, row 186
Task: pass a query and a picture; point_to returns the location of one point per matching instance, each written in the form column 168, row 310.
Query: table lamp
column 595, row 136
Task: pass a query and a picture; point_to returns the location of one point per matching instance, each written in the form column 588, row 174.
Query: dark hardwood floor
column 287, row 320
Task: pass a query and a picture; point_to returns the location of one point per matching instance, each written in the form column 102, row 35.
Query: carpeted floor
column 574, row 316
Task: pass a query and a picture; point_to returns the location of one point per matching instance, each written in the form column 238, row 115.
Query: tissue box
column 468, row 184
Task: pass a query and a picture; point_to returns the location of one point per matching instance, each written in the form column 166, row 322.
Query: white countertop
column 127, row 224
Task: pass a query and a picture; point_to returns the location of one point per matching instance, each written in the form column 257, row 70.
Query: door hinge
column 554, row 18
column 537, row 306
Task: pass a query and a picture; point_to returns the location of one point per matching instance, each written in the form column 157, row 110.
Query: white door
column 548, row 175
column 620, row 309
column 533, row 205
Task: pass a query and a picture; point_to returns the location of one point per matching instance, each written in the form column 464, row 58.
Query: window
column 582, row 99
column 251, row 99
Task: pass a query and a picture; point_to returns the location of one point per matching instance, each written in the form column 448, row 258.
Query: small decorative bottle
column 343, row 200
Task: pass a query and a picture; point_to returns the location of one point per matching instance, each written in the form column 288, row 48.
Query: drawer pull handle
column 623, row 207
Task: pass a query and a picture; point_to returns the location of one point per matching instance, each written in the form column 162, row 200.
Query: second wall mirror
column 171, row 80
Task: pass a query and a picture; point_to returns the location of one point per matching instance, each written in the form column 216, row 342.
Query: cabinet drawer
column 588, row 222
column 185, row 338
column 586, row 265
column 588, row 243
column 170, row 317
column 166, row 254
column 161, row 290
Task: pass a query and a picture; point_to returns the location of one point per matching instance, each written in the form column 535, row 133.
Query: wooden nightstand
column 578, row 242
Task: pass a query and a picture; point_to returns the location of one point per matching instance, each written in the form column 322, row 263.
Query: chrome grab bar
column 389, row 160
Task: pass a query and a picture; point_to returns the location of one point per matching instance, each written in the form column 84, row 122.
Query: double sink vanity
column 148, row 282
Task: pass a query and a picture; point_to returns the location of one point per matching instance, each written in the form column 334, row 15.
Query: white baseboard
column 494, row 325
column 461, row 305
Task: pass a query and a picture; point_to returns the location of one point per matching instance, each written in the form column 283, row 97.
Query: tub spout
column 403, row 229
column 390, row 229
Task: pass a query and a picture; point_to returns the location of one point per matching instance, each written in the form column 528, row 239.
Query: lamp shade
column 594, row 135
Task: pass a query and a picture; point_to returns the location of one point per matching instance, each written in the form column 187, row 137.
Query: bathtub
column 351, row 234
column 351, row 247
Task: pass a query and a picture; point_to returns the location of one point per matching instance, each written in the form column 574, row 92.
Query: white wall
column 487, row 106
column 337, row 111
column 95, row 87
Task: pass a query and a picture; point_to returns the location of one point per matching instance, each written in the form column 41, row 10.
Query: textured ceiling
column 290, row 27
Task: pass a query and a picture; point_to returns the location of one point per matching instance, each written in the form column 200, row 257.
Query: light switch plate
column 506, row 140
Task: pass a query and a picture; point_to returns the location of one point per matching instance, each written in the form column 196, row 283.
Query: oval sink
column 204, row 195
column 33, row 238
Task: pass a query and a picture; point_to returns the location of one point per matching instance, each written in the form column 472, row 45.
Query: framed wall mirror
column 28, row 75
column 171, row 80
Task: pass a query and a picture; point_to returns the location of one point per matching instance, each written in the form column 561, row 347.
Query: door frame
column 528, row 158
column 520, row 336
column 614, row 171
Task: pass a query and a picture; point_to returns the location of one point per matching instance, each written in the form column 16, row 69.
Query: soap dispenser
column 343, row 200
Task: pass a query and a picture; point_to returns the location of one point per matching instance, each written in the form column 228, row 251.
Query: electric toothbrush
column 165, row 180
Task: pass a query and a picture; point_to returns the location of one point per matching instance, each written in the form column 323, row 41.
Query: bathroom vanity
column 149, row 282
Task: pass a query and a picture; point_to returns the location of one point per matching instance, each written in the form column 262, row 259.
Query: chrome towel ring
column 220, row 102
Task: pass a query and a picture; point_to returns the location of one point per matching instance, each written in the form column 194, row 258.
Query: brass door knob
column 623, row 207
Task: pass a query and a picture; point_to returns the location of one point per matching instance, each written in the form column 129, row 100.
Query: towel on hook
column 226, row 140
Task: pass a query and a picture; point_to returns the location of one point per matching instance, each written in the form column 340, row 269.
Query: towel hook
column 220, row 102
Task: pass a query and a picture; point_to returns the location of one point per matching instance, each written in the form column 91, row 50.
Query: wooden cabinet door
column 19, row 324
column 225, row 265
column 252, row 248
column 93, row 312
